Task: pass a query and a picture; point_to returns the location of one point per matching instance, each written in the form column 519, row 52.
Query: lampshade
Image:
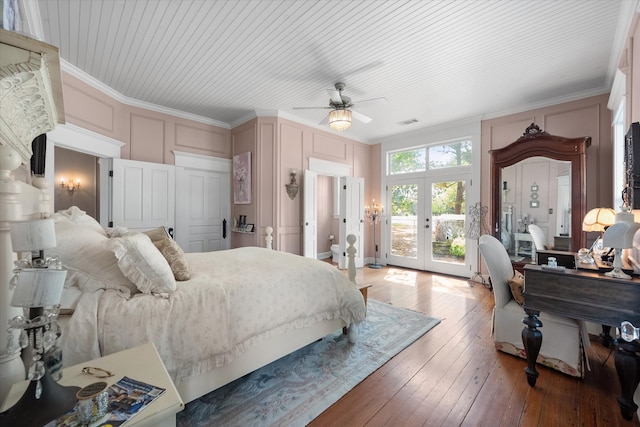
column 597, row 219
column 38, row 287
column 620, row 235
column 340, row 119
column 32, row 235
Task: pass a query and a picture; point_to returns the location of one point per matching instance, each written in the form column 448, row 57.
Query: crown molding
column 98, row 85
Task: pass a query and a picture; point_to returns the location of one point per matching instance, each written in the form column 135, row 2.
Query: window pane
column 407, row 161
column 404, row 226
column 449, row 155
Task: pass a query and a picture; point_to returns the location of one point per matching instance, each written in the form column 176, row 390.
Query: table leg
column 532, row 341
column 628, row 369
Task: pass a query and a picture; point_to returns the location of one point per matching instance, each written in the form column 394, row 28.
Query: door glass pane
column 448, row 209
column 404, row 225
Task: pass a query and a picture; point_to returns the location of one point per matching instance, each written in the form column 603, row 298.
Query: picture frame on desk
column 249, row 228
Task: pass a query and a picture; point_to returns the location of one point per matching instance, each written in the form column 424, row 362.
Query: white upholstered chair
column 562, row 338
column 538, row 237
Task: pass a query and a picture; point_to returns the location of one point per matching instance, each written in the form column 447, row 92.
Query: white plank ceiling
column 434, row 61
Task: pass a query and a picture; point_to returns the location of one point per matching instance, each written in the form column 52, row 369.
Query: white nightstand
column 140, row 363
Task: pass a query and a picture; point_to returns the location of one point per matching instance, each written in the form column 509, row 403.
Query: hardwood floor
column 453, row 376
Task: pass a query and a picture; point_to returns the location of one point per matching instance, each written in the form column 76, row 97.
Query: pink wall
column 149, row 136
column 585, row 117
column 279, row 146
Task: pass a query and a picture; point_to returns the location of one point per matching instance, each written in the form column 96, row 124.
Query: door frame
column 328, row 168
column 185, row 160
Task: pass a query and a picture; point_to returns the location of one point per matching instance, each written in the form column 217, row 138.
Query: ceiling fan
column 341, row 106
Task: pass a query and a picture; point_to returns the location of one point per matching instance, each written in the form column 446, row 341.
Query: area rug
column 292, row 391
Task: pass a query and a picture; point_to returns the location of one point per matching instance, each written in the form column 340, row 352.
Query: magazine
column 127, row 397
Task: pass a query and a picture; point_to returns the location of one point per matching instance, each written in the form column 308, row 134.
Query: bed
column 212, row 316
column 200, row 325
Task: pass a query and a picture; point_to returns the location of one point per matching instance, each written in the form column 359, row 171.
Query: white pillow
column 142, row 263
column 90, row 266
column 80, row 217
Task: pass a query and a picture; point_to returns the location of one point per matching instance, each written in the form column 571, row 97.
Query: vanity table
column 585, row 295
column 520, row 250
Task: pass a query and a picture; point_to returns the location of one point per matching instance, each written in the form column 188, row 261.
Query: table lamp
column 37, row 286
column 598, row 219
column 619, row 236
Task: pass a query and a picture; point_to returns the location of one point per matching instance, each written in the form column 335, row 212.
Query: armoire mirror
column 528, row 180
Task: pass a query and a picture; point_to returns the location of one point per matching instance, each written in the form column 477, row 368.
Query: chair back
column 499, row 266
column 538, row 237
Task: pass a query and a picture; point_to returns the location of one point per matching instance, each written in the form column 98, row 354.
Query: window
column 408, row 161
column 444, row 155
column 450, row 155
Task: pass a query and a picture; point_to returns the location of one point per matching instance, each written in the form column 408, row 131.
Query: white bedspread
column 235, row 299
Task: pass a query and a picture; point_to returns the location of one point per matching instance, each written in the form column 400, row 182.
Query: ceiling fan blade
column 370, row 102
column 325, row 120
column 312, row 108
column 335, row 96
column 360, row 116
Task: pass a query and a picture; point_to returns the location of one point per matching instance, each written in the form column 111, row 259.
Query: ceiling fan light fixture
column 340, row 119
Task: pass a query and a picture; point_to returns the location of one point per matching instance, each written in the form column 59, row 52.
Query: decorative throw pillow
column 174, row 255
column 516, row 283
column 156, row 234
column 142, row 263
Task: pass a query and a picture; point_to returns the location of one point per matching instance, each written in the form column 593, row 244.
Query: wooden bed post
column 269, row 238
column 351, row 254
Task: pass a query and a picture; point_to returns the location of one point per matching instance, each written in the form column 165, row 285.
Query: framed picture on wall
column 242, row 178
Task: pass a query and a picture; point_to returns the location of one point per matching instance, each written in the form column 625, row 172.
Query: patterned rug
column 292, row 391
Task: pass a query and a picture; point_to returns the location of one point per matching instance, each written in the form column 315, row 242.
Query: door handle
column 170, row 231
column 224, row 228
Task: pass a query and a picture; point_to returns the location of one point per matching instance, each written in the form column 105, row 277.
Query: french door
column 426, row 223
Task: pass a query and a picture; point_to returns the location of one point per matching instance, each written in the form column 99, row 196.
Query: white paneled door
column 351, row 218
column 142, row 195
column 203, row 209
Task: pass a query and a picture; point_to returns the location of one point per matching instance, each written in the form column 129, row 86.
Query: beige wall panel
column 291, row 157
column 267, row 195
column 504, row 133
column 329, row 148
column 89, row 108
column 147, row 139
column 243, row 139
column 202, row 139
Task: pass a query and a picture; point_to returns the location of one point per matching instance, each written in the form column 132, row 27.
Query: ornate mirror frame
column 535, row 142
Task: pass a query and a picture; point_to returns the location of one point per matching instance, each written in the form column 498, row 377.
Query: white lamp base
column 618, row 274
column 617, row 267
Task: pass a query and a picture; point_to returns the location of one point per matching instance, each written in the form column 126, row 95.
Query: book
column 127, row 397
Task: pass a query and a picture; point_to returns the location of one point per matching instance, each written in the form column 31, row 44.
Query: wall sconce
column 70, row 186
column 292, row 186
